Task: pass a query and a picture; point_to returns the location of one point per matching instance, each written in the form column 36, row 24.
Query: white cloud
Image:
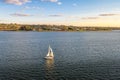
column 33, row 7
column 20, row 2
column 74, row 4
column 16, row 2
column 109, row 14
column 50, row 0
column 56, row 15
column 53, row 1
column 20, row 15
column 59, row 3
column 92, row 18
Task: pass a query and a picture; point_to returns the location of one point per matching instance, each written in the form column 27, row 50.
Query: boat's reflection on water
column 49, row 69
column 49, row 64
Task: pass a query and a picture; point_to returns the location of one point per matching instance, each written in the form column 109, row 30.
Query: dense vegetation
column 18, row 27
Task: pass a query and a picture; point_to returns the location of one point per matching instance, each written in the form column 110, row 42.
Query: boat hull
column 49, row 58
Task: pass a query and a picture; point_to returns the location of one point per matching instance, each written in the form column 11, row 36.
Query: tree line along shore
column 20, row 27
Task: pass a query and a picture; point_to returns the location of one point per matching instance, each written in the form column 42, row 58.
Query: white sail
column 50, row 53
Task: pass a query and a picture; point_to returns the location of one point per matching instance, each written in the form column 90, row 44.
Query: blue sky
column 67, row 12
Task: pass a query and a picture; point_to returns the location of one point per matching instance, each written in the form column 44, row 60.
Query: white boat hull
column 49, row 57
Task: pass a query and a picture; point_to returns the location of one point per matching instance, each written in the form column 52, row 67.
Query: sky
column 61, row 12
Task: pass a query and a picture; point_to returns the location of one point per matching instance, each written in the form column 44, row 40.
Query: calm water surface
column 78, row 56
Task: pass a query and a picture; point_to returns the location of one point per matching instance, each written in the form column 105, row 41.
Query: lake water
column 78, row 56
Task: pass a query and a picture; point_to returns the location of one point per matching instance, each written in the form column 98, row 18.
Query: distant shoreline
column 52, row 28
column 52, row 31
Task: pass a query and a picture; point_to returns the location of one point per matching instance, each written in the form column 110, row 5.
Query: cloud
column 90, row 18
column 59, row 3
column 100, row 16
column 49, row 0
column 74, row 16
column 16, row 2
column 74, row 4
column 20, row 15
column 55, row 15
column 32, row 7
column 53, row 1
column 108, row 14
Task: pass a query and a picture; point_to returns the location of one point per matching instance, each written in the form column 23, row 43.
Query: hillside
column 19, row 27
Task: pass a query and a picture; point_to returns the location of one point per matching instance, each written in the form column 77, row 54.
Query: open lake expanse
column 78, row 55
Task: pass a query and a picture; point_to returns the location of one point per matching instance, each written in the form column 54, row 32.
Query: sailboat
column 50, row 54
